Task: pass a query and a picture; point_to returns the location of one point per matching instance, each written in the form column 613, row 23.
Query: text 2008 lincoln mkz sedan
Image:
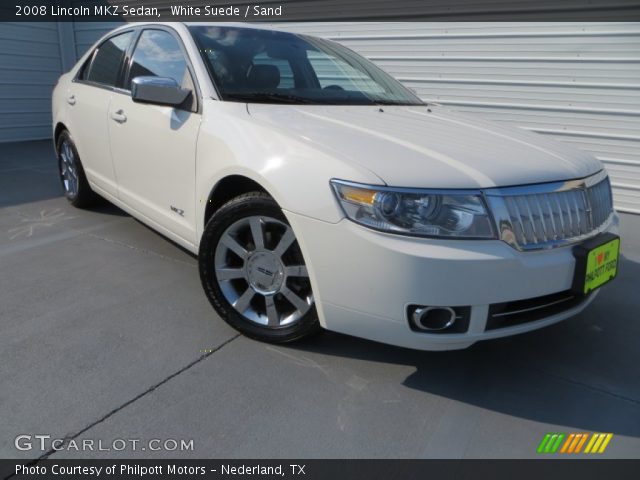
column 319, row 192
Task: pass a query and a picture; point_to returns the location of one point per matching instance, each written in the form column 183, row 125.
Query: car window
column 84, row 70
column 283, row 66
column 158, row 54
column 258, row 65
column 106, row 63
column 335, row 73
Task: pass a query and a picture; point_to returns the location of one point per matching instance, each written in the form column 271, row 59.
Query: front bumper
column 364, row 281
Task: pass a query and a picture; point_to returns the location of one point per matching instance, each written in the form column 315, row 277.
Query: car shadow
column 29, row 173
column 582, row 373
column 104, row 207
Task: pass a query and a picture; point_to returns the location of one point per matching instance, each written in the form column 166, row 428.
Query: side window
column 84, row 70
column 283, row 66
column 105, row 67
column 158, row 54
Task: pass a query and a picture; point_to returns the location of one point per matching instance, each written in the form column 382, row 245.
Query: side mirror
column 158, row 90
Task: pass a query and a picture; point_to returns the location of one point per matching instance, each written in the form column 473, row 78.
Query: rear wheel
column 253, row 272
column 74, row 181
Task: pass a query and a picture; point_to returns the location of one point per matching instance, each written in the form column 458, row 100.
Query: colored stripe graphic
column 550, row 443
column 598, row 442
column 556, row 445
column 565, row 447
column 572, row 443
column 581, row 443
column 543, row 443
column 605, row 442
column 594, row 437
column 552, row 439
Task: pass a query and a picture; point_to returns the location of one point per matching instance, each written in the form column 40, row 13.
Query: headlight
column 427, row 213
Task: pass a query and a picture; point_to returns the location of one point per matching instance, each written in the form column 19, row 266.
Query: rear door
column 88, row 100
column 153, row 147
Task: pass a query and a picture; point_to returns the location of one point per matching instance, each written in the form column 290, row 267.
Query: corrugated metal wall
column 86, row 33
column 32, row 57
column 577, row 82
column 30, row 64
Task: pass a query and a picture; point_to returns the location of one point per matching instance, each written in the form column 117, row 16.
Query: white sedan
column 318, row 192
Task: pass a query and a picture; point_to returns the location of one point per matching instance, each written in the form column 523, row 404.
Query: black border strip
column 340, row 469
column 340, row 10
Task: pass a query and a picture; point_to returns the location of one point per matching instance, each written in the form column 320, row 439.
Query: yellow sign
column 602, row 265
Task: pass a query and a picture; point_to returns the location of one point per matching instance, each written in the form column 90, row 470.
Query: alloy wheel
column 261, row 273
column 68, row 169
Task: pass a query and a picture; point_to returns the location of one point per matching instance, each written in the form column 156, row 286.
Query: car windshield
column 265, row 66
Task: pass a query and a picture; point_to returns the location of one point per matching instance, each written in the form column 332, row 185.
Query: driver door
column 153, row 147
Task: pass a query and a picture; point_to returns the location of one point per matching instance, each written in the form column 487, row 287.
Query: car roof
column 249, row 26
column 231, row 24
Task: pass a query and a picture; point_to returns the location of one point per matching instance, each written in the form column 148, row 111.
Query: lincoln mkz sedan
column 319, row 192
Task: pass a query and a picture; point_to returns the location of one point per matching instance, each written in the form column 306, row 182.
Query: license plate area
column 596, row 262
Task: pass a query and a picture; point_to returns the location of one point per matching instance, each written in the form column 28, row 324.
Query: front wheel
column 253, row 272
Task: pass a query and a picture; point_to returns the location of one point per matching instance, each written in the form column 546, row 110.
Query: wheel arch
column 59, row 128
column 235, row 183
column 227, row 188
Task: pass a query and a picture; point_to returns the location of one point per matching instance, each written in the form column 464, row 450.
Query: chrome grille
column 547, row 215
column 600, row 201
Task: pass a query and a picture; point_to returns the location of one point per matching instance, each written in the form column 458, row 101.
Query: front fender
column 293, row 172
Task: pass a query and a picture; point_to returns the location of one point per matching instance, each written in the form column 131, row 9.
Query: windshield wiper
column 269, row 97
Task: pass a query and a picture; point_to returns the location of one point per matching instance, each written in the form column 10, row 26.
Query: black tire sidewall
column 256, row 203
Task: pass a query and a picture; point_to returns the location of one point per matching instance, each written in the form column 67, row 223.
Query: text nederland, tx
column 171, row 469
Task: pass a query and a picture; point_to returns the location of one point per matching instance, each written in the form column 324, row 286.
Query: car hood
column 428, row 147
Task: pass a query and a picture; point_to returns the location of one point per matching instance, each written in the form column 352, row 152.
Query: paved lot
column 105, row 334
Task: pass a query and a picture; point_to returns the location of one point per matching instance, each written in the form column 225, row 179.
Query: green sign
column 602, row 265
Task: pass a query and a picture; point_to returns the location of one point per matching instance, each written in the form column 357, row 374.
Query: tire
column 253, row 272
column 74, row 181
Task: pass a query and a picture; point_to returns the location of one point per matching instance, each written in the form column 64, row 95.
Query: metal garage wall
column 577, row 82
column 86, row 33
column 32, row 57
column 30, row 64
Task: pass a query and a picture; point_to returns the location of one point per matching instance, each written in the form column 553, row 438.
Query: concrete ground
column 105, row 334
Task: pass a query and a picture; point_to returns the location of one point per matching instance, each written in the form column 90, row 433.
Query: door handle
column 119, row 116
column 71, row 100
